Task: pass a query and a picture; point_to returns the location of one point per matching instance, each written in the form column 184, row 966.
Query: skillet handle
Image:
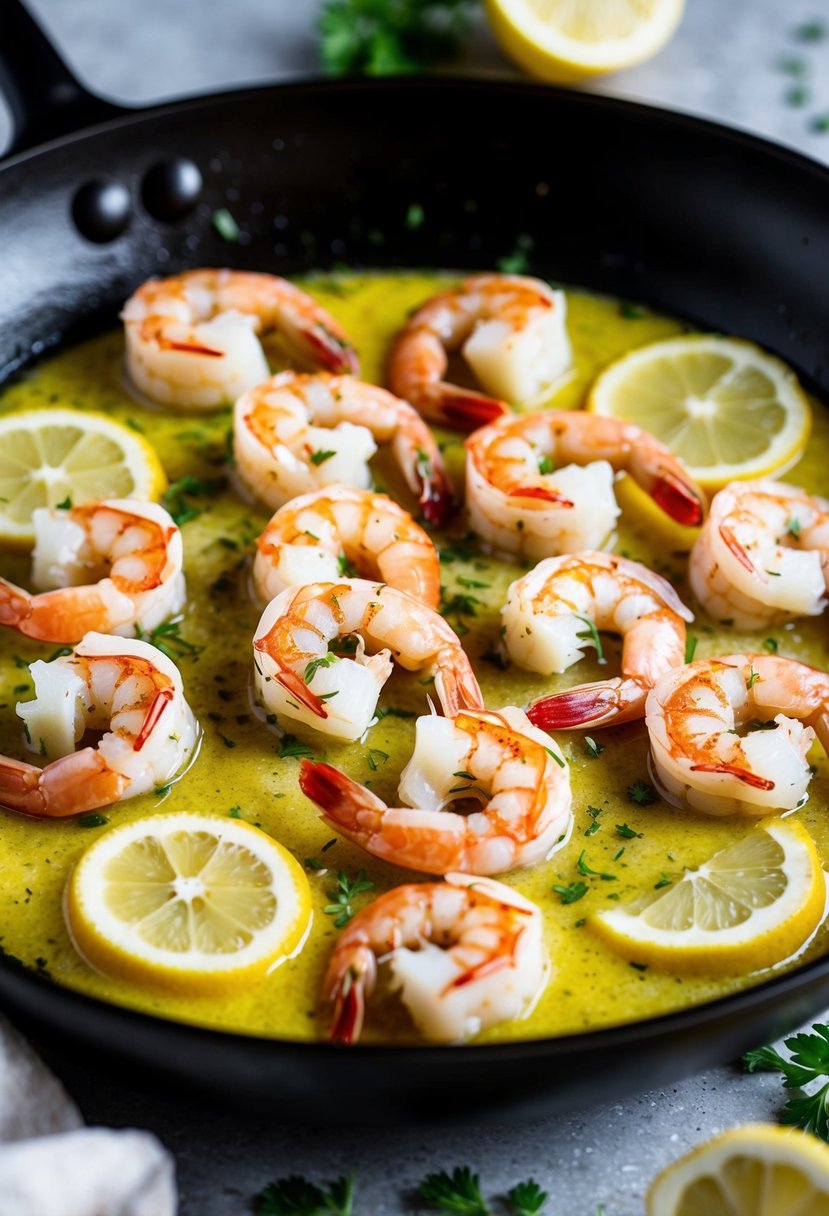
column 45, row 98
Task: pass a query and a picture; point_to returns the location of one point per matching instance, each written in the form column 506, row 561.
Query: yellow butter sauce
column 241, row 770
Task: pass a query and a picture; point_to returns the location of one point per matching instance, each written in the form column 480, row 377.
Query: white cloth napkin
column 51, row 1165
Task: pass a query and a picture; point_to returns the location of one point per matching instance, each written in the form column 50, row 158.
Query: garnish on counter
column 809, row 1062
column 296, row 1196
column 345, row 892
column 460, row 1192
column 390, row 37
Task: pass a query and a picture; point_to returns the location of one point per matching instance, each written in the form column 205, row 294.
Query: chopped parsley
column 177, row 496
column 167, row 638
column 225, row 225
column 627, row 833
column 346, row 890
column 314, row 666
column 641, row 793
column 590, row 636
column 321, row 455
column 584, row 868
column 571, row 893
column 593, row 749
column 690, row 649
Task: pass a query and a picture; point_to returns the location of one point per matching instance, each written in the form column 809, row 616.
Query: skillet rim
column 22, row 987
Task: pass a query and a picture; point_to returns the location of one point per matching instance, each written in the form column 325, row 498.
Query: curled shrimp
column 514, row 772
column 542, row 484
column 729, row 736
column 763, row 555
column 125, row 688
column 132, row 548
column 316, row 537
column 192, row 338
column 297, row 677
column 295, row 433
column 464, row 954
column 553, row 614
column 513, row 334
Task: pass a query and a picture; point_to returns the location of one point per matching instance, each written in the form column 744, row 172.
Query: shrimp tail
column 604, row 703
column 734, row 770
column 437, row 502
column 345, row 804
column 456, row 686
column 349, row 1011
column 68, row 786
column 680, row 500
column 546, row 493
column 15, row 605
column 334, row 354
column 467, row 410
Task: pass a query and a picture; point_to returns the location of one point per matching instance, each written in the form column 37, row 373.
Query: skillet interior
column 693, row 219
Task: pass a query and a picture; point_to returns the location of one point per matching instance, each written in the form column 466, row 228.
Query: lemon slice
column 187, row 901
column 566, row 40
column 47, row 456
column 757, row 1170
column 724, row 406
column 749, row 906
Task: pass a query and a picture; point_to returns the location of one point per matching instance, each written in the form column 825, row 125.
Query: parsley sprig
column 167, row 638
column 809, row 1062
column 390, row 37
column 527, row 1198
column 340, row 907
column 459, row 1191
column 296, row 1196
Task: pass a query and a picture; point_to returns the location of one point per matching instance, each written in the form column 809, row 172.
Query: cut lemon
column 47, row 456
column 757, row 1170
column 566, row 40
column 187, row 901
column 724, row 406
column 749, row 906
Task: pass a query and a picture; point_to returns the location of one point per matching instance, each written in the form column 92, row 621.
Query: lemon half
column 567, row 40
column 187, row 901
column 50, row 455
column 749, row 906
column 724, row 406
column 757, row 1170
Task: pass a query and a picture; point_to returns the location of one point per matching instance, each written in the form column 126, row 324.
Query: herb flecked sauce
column 246, row 769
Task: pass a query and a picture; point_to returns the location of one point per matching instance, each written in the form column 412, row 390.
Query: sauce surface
column 245, row 768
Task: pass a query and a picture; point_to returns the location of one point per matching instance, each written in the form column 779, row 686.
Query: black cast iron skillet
column 695, row 219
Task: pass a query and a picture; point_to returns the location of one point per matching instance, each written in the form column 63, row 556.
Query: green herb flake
column 225, row 225
column 571, row 893
column 321, row 455
column 641, row 793
column 95, row 820
column 690, row 649
column 346, row 890
column 415, row 216
column 627, row 833
column 593, row 749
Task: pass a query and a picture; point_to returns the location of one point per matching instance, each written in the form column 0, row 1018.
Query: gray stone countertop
column 724, row 63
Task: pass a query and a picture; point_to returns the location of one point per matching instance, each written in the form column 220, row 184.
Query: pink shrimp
column 513, row 334
column 297, row 677
column 312, row 537
column 541, row 484
column 126, row 688
column 553, row 614
column 514, row 772
column 464, row 954
column 139, row 546
column 192, row 337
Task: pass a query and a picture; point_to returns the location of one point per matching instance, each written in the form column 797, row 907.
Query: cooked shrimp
column 132, row 548
column 498, row 760
column 728, row 737
column 296, row 433
column 513, row 334
column 126, row 688
column 542, row 483
column 553, row 614
column 763, row 555
column 314, row 538
column 464, row 954
column 192, row 338
column 297, row 677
